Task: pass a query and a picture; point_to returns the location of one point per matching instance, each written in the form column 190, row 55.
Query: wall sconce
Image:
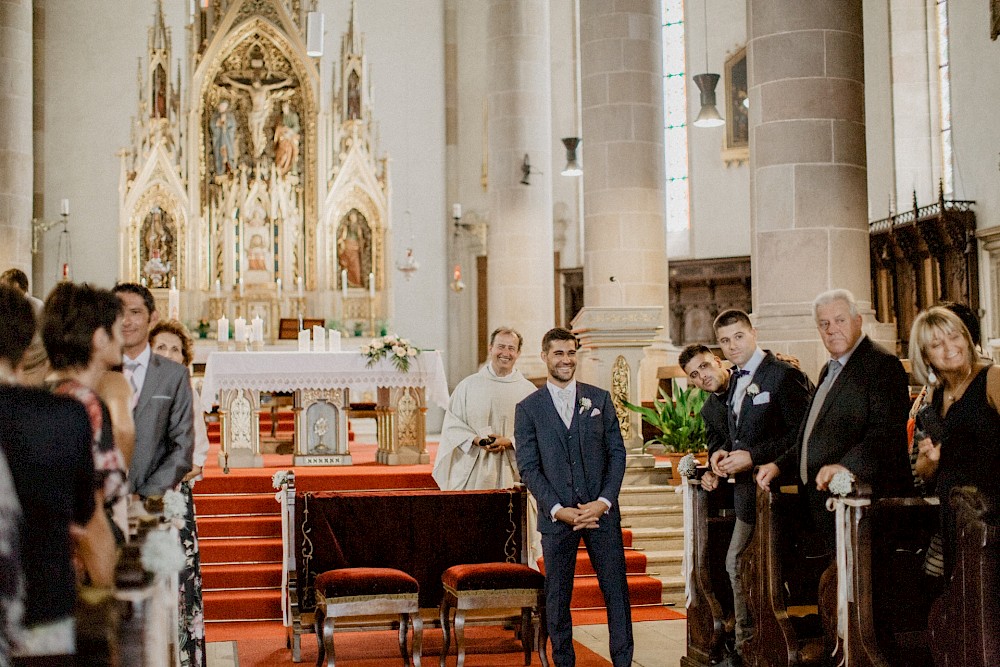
column 573, row 167
column 526, row 171
column 477, row 227
column 314, row 34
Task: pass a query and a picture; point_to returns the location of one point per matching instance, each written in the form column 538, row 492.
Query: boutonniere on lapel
column 586, row 404
column 753, row 390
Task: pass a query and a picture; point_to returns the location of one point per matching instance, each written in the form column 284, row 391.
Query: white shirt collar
column 143, row 358
column 554, row 391
column 755, row 359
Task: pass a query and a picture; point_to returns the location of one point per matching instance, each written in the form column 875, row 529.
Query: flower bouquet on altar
column 398, row 350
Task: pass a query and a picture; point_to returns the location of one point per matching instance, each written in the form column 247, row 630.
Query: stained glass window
column 675, row 116
column 944, row 88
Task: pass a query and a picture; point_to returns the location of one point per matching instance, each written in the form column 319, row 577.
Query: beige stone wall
column 15, row 135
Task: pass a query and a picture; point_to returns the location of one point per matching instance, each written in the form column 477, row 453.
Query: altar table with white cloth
column 321, row 383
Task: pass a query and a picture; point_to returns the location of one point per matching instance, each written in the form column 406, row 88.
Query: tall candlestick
column 173, row 301
column 64, row 207
column 241, row 287
column 298, row 285
column 456, row 211
column 371, row 285
column 343, row 283
column 218, row 289
column 277, row 284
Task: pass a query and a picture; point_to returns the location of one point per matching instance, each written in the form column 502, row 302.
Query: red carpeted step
column 241, row 550
column 242, row 605
column 635, row 562
column 241, row 575
column 641, row 590
column 627, row 538
column 247, row 526
column 236, row 503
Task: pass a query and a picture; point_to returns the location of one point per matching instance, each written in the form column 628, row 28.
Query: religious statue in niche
column 263, row 88
column 159, row 92
column 354, row 248
column 286, row 140
column 257, row 253
column 224, row 139
column 353, row 96
column 258, row 232
column 158, row 246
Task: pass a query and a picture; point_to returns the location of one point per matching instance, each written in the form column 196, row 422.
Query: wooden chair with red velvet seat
column 367, row 591
column 485, row 586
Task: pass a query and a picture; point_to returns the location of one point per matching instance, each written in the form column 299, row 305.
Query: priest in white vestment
column 477, row 438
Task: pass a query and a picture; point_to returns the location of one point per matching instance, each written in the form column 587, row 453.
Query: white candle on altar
column 173, row 301
column 343, row 283
column 304, row 340
column 241, row 287
column 277, row 284
column 218, row 288
column 319, row 339
column 298, row 285
column 456, row 211
column 223, row 324
column 371, row 285
column 333, row 340
column 257, row 330
column 64, row 207
column 239, row 330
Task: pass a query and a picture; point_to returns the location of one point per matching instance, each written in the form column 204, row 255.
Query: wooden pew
column 965, row 621
column 326, row 530
column 709, row 596
column 782, row 595
column 883, row 597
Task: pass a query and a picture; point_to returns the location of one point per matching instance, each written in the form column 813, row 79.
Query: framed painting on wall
column 736, row 146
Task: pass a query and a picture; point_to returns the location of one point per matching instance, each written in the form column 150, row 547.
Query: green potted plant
column 679, row 422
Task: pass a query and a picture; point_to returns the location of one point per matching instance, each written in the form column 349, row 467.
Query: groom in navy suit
column 571, row 457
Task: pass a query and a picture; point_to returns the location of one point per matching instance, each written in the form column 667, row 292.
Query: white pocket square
column 762, row 398
column 595, row 412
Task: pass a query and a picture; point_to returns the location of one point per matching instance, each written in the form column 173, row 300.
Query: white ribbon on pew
column 845, row 562
column 687, row 563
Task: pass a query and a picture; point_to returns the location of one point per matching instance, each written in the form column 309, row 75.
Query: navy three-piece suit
column 568, row 466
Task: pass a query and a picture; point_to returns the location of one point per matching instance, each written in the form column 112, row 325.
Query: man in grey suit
column 571, row 457
column 162, row 402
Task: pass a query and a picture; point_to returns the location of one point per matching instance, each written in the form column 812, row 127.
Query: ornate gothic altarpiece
column 239, row 188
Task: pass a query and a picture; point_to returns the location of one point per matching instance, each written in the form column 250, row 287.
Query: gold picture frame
column 736, row 142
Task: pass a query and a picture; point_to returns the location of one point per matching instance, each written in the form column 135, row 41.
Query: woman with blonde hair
column 959, row 427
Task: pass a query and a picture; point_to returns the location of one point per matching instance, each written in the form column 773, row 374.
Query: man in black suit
column 162, row 401
column 571, row 457
column 856, row 420
column 760, row 417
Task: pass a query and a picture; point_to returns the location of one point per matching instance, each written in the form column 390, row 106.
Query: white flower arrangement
column 842, row 483
column 174, row 505
column 585, row 404
column 279, row 479
column 398, row 350
column 162, row 553
column 686, row 466
column 753, row 390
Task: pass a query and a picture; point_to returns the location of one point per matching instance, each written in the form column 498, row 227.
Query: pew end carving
column 964, row 624
column 709, row 596
column 783, row 594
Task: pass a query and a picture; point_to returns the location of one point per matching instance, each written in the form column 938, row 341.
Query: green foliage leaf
column 678, row 419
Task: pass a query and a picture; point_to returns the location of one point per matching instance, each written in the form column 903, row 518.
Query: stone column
column 808, row 189
column 15, row 134
column 623, row 164
column 520, row 281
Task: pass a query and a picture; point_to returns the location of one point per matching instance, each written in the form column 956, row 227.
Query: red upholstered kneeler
column 366, row 591
column 494, row 586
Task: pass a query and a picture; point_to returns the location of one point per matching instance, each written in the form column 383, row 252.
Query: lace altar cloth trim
column 288, row 371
